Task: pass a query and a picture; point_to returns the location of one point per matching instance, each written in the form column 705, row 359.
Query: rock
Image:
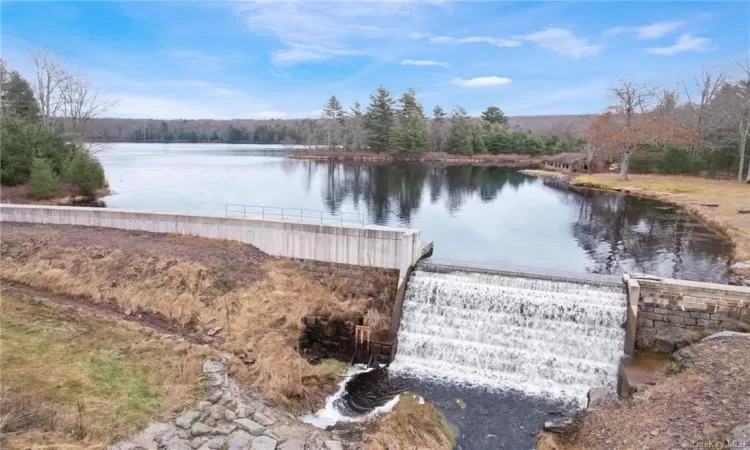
column 178, row 444
column 196, row 443
column 292, row 444
column 203, row 404
column 183, row 434
column 215, row 442
column 213, row 331
column 163, row 437
column 726, row 335
column 654, row 432
column 213, row 366
column 560, row 425
column 215, row 396
column 739, row 438
column 665, row 345
column 600, row 396
column 263, row 443
column 217, row 379
column 230, row 415
column 243, row 410
column 263, row 419
column 251, row 427
column 333, row 445
column 287, row 432
column 216, row 412
column 200, row 428
column 225, row 428
column 186, row 420
column 239, row 440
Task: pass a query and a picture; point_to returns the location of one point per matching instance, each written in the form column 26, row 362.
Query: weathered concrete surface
column 373, row 246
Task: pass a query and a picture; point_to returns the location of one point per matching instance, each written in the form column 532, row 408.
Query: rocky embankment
column 700, row 400
column 232, row 418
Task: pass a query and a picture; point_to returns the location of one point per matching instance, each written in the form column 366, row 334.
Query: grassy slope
column 74, row 378
column 689, row 192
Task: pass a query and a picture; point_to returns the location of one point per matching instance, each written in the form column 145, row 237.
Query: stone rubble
column 231, row 418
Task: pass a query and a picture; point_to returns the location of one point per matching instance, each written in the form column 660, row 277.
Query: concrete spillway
column 553, row 337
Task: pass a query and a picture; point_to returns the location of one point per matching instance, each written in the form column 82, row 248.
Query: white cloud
column 197, row 60
column 481, row 81
column 313, row 31
column 563, row 42
column 685, row 43
column 497, row 42
column 424, row 62
column 651, row 31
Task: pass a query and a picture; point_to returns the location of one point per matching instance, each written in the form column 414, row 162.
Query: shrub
column 44, row 181
column 84, row 171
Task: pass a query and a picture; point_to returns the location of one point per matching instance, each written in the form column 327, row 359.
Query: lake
column 482, row 214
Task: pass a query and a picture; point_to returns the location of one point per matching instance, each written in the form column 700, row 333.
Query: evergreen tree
column 493, row 114
column 379, row 120
column 460, row 136
column 44, row 181
column 17, row 97
column 412, row 125
column 437, row 129
column 357, row 127
column 333, row 112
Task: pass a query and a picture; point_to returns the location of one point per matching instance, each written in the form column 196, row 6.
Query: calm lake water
column 483, row 214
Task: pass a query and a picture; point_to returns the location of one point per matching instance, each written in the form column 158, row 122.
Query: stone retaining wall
column 325, row 338
column 672, row 310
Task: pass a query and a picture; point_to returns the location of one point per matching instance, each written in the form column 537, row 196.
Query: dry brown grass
column 689, row 192
column 260, row 322
column 78, row 380
column 412, row 426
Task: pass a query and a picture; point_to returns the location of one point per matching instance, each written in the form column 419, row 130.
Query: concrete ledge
column 385, row 247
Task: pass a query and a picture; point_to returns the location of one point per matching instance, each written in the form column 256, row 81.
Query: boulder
column 263, row 443
column 177, row 444
column 726, row 335
column 225, row 428
column 215, row 396
column 292, row 444
column 163, row 437
column 216, row 442
column 263, row 419
column 251, row 427
column 239, row 440
column 230, row 415
column 187, row 420
column 213, row 366
column 198, row 442
column 200, row 428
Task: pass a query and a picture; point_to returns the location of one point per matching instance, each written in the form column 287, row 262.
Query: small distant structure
column 567, row 162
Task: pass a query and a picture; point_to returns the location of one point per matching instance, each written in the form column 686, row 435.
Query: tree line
column 649, row 128
column 400, row 126
column 41, row 125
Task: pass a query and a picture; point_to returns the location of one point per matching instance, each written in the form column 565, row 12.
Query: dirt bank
column 253, row 304
column 696, row 407
column 421, row 158
column 67, row 194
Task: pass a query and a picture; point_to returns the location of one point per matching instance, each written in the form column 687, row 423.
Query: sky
column 283, row 59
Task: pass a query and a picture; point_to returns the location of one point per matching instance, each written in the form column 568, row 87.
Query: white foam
column 547, row 338
column 329, row 415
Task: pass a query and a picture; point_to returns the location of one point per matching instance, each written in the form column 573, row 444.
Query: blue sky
column 262, row 59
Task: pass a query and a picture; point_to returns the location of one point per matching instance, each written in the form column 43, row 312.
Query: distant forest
column 277, row 131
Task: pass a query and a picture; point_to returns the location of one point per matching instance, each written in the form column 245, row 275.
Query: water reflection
column 482, row 214
column 615, row 232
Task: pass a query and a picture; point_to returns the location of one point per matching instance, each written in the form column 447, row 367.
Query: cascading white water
column 550, row 338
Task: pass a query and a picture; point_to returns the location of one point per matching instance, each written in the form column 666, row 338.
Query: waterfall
column 551, row 337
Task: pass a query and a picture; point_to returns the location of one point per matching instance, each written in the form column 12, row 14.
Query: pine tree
column 437, row 131
column 357, row 126
column 379, row 120
column 333, row 112
column 16, row 96
column 460, row 137
column 413, row 127
column 493, row 114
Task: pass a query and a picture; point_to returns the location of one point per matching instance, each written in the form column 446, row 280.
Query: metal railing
column 297, row 215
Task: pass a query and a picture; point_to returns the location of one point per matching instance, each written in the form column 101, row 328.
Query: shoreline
column 20, row 195
column 422, row 158
column 693, row 201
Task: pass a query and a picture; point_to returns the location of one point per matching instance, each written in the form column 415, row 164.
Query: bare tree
column 81, row 102
column 631, row 123
column 737, row 112
column 707, row 87
column 49, row 83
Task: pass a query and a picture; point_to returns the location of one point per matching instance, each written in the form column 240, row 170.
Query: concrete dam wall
column 373, row 246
